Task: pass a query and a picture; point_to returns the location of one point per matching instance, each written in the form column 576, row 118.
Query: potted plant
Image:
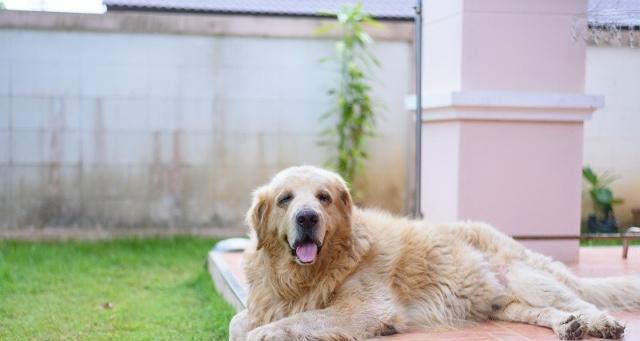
column 603, row 219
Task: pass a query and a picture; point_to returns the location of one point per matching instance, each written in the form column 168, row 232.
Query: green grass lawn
column 131, row 289
column 606, row 242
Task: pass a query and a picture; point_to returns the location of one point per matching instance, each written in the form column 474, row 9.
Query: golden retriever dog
column 323, row 269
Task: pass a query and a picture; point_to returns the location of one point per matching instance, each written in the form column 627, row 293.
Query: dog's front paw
column 271, row 333
column 238, row 327
column 571, row 328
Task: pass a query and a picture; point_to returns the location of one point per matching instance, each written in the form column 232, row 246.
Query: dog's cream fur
column 377, row 274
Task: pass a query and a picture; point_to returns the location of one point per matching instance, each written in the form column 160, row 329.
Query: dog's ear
column 345, row 197
column 257, row 214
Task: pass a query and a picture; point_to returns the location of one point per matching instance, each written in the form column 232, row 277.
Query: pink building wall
column 522, row 45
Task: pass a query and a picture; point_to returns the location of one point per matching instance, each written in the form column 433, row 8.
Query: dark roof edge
column 120, row 8
column 620, row 27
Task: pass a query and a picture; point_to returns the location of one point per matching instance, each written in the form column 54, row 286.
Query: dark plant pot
column 607, row 225
column 636, row 216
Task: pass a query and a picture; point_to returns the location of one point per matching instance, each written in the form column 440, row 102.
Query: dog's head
column 299, row 212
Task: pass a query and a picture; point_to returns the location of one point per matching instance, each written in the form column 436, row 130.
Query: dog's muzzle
column 306, row 246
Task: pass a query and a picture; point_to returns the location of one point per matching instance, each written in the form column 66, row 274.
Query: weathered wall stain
column 51, row 208
column 99, row 138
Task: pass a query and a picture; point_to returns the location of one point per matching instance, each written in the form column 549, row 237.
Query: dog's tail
column 611, row 292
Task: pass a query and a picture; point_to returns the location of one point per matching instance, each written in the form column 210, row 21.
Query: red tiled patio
column 594, row 261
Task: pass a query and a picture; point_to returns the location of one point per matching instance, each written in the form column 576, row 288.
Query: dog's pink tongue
column 307, row 252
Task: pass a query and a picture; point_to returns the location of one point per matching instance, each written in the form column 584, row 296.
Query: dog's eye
column 284, row 199
column 324, row 197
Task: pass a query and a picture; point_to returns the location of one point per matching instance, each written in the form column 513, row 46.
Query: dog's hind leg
column 540, row 289
column 600, row 323
column 565, row 325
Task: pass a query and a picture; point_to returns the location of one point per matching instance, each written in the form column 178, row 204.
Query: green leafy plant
column 352, row 104
column 601, row 194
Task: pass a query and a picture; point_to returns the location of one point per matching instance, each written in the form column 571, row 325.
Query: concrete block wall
column 128, row 129
column 612, row 137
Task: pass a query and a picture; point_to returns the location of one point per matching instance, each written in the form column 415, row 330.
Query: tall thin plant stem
column 352, row 104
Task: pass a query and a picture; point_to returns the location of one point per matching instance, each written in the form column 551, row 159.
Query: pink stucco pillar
column 503, row 117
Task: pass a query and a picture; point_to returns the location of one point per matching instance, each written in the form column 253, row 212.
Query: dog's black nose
column 307, row 219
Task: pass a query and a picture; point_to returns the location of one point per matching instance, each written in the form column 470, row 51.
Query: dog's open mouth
column 306, row 252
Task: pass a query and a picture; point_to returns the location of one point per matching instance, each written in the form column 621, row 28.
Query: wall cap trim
column 507, row 106
column 189, row 24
